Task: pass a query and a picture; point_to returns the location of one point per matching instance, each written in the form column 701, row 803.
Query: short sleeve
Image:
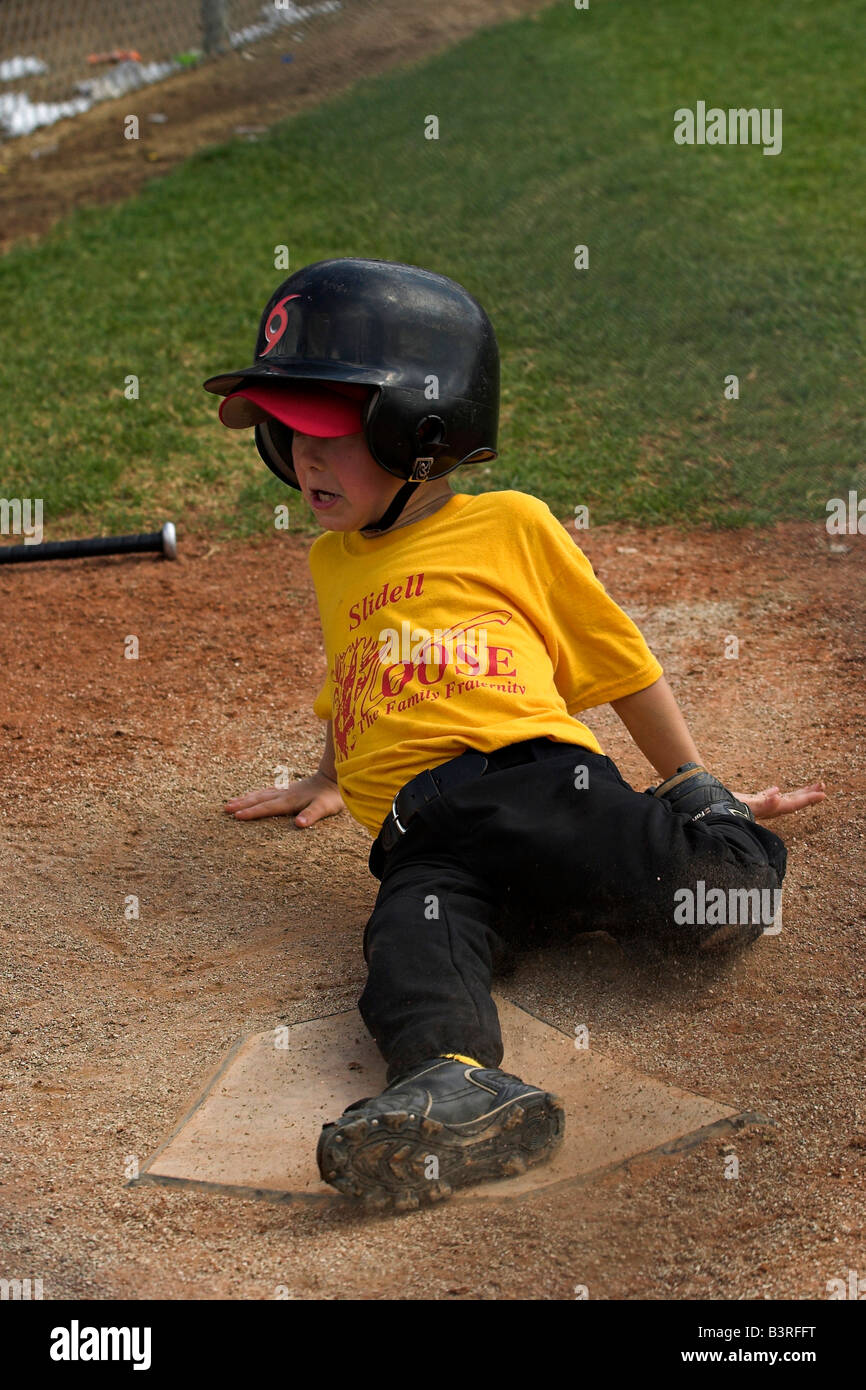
column 598, row 652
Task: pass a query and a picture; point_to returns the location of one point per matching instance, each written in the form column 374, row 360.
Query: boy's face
column 341, row 480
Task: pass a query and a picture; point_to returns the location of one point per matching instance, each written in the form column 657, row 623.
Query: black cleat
column 696, row 793
column 441, row 1125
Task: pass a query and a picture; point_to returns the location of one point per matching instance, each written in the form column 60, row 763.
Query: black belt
column 468, row 766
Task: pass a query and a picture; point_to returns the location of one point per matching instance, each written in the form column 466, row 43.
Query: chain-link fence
column 59, row 59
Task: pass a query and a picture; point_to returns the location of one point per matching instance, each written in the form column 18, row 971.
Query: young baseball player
column 464, row 634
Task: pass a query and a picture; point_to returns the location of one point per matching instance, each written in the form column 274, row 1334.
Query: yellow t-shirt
column 478, row 626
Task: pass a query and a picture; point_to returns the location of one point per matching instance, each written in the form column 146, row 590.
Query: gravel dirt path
column 113, row 777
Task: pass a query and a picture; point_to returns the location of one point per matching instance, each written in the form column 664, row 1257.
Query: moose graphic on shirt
column 370, row 678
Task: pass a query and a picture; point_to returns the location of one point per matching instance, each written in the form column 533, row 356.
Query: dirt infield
column 113, row 777
column 86, row 160
column 114, row 773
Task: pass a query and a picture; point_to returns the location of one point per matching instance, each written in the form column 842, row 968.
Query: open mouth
column 321, row 498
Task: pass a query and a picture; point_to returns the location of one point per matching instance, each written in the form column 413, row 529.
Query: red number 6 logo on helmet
column 276, row 324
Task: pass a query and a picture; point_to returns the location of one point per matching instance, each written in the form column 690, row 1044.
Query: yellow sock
column 458, row 1057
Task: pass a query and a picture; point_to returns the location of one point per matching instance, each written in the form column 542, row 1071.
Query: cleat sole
column 389, row 1168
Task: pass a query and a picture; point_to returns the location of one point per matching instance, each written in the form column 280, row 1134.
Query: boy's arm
column 307, row 800
column 328, row 766
column 655, row 722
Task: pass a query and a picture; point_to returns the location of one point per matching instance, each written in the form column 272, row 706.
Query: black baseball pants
column 517, row 857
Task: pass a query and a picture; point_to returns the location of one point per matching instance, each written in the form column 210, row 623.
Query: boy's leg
column 581, row 846
column 431, row 944
column 448, row 1116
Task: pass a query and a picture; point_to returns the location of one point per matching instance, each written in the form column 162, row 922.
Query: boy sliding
column 496, row 815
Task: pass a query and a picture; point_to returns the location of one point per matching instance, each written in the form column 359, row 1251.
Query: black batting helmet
column 419, row 338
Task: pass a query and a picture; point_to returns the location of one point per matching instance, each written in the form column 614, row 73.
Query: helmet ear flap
column 430, row 430
column 274, row 443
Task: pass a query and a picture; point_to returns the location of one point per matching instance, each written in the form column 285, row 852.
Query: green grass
column 554, row 131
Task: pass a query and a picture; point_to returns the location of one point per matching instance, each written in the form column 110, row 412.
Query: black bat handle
column 164, row 541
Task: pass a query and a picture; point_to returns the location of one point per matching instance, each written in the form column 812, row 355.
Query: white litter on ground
column 20, row 116
column 12, row 68
column 274, row 18
column 127, row 76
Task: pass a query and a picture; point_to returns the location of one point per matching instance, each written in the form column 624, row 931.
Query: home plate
column 253, row 1131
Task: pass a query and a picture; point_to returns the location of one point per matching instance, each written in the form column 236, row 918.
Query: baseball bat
column 164, row 541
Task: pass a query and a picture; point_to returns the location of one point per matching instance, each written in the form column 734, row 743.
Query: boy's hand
column 773, row 802
column 309, row 800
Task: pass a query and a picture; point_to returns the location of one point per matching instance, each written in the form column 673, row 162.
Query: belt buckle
column 396, row 818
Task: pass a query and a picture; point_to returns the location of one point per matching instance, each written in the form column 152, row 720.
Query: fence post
column 214, row 25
